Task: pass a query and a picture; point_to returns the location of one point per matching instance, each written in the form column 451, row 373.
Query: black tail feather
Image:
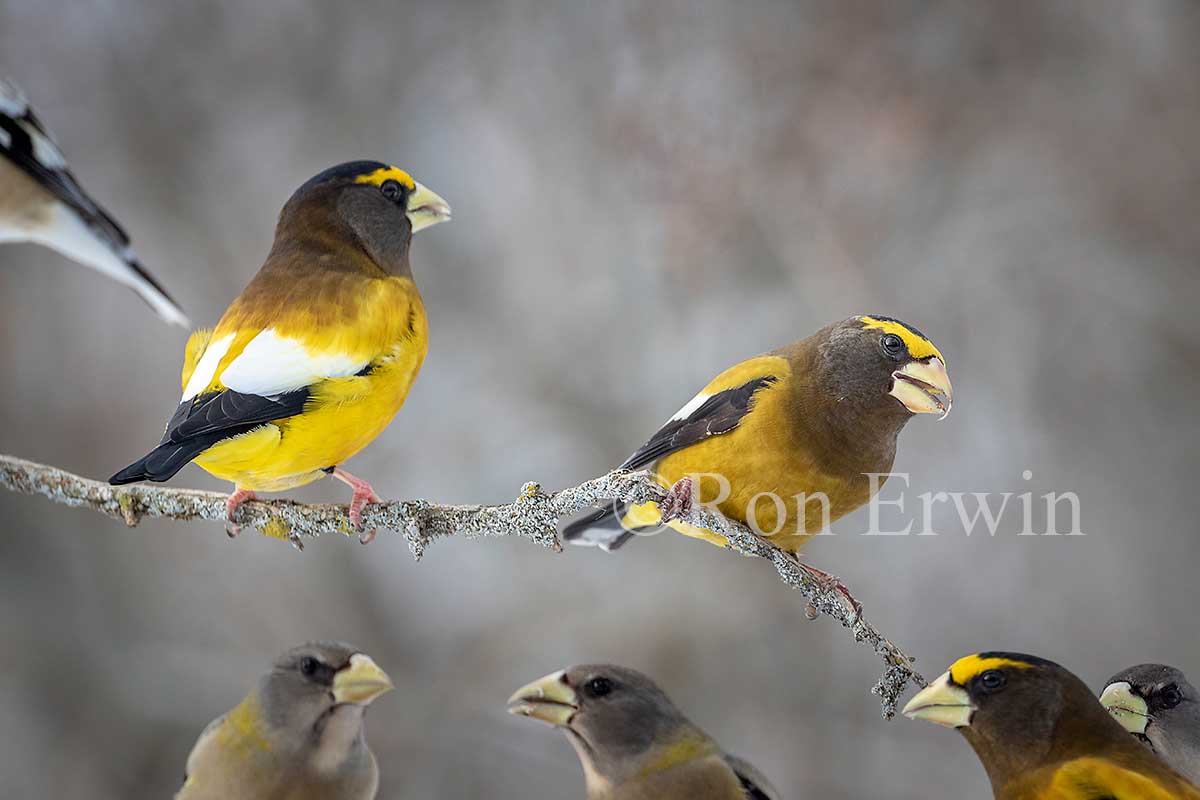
column 161, row 463
column 600, row 527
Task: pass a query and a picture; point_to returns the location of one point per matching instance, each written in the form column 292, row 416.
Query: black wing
column 754, row 782
column 29, row 145
column 221, row 412
column 26, row 142
column 202, row 422
column 719, row 414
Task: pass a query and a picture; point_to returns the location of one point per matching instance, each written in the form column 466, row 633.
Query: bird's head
column 879, row 363
column 374, row 205
column 307, row 683
column 1155, row 703
column 618, row 719
column 1015, row 710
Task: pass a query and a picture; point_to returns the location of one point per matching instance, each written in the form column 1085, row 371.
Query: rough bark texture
column 534, row 515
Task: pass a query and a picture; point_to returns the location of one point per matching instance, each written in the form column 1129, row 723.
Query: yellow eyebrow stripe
column 382, row 174
column 918, row 346
column 966, row 668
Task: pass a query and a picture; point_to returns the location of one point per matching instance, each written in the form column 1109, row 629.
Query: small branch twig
column 534, row 515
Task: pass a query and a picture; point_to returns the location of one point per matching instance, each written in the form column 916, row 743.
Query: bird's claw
column 679, row 500
column 829, row 582
column 232, row 503
column 357, row 504
column 363, row 494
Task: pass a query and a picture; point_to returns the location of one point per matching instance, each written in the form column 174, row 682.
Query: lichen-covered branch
column 534, row 515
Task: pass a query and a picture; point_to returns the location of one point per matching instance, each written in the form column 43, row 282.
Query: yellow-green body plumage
column 238, row 758
column 296, row 735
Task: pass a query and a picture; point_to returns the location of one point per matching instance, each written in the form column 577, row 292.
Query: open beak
column 425, row 209
column 923, row 387
column 1126, row 707
column 548, row 699
column 942, row 703
column 360, row 682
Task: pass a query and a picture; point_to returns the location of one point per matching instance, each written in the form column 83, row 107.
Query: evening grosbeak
column 298, row 735
column 1041, row 734
column 632, row 741
column 1158, row 706
column 40, row 201
column 315, row 357
column 814, row 417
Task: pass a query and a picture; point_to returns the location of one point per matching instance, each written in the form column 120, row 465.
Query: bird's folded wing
column 230, row 412
column 249, row 378
column 754, row 782
column 29, row 145
column 717, row 409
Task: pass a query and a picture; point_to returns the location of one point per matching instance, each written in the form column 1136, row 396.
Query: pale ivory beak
column 360, row 682
column 425, row 209
column 1126, row 707
column 548, row 699
column 923, row 387
column 941, row 703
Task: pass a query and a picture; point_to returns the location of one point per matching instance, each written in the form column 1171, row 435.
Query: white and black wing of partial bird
column 41, row 202
column 754, row 783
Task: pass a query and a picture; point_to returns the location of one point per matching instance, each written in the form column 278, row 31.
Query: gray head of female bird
column 1156, row 703
column 615, row 717
column 315, row 697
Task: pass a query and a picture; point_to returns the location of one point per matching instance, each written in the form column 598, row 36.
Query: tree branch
column 534, row 515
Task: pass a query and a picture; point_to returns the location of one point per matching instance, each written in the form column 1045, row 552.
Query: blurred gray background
column 643, row 194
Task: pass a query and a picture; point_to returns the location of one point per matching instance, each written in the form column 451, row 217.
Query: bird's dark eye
column 309, row 666
column 892, row 344
column 1170, row 697
column 992, row 681
column 392, row 190
column 598, row 687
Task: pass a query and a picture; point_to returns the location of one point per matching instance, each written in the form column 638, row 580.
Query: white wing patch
column 272, row 364
column 691, row 406
column 206, row 367
column 44, row 149
column 15, row 105
column 12, row 100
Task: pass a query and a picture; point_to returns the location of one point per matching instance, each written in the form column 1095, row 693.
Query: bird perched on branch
column 812, row 419
column 1159, row 707
column 298, row 735
column 1041, row 734
column 40, row 201
column 633, row 742
column 318, row 353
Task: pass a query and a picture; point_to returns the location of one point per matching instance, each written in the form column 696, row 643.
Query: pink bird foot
column 828, row 581
column 363, row 494
column 679, row 500
column 232, row 504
